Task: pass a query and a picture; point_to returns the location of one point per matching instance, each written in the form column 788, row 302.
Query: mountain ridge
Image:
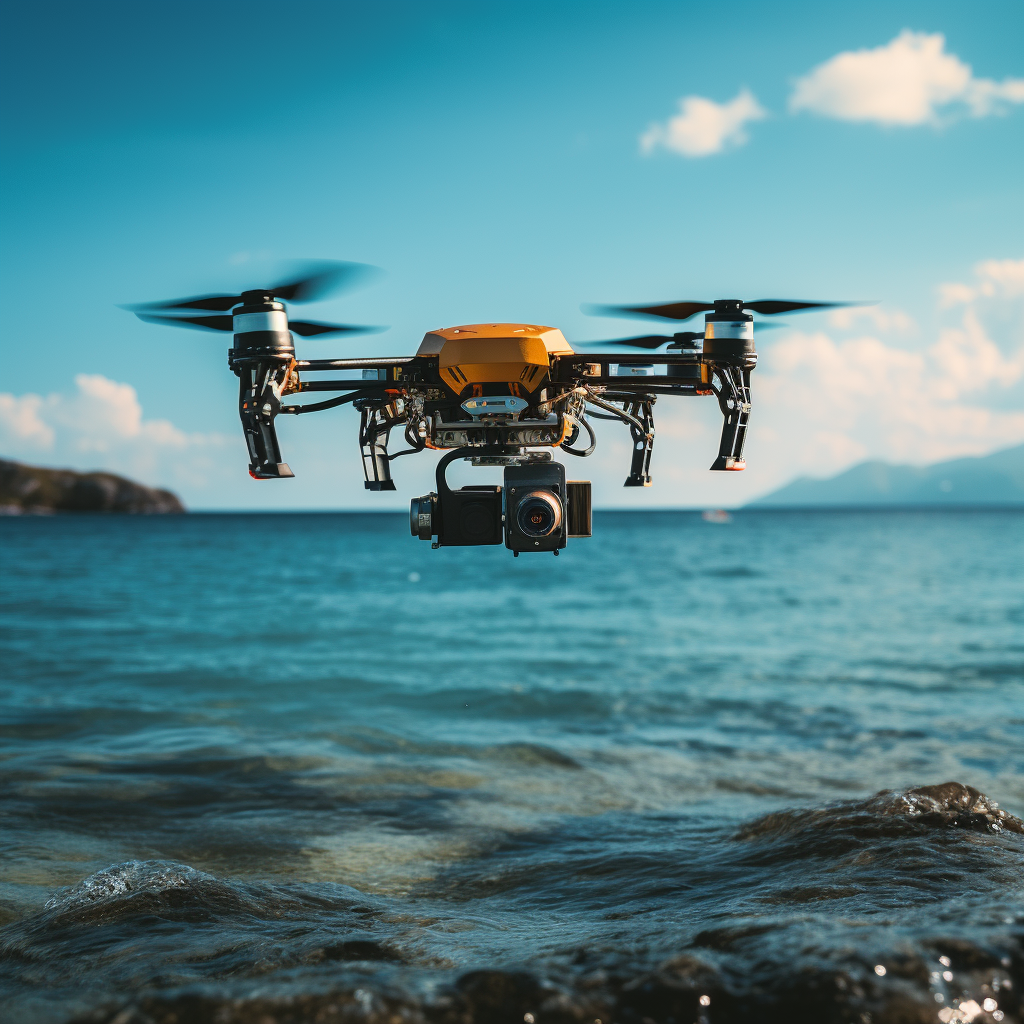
column 983, row 480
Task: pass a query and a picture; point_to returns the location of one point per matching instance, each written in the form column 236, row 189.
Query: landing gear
column 641, row 428
column 374, row 430
column 733, row 392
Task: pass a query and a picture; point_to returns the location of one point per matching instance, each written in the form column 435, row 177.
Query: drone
column 494, row 394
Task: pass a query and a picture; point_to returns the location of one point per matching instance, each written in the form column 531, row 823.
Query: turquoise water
column 251, row 759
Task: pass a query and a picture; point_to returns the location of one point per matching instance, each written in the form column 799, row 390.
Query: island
column 28, row 490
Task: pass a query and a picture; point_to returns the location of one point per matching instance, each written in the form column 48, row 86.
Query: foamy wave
column 132, row 876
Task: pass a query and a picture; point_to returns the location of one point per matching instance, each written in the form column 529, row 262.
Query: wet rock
column 950, row 805
column 845, row 825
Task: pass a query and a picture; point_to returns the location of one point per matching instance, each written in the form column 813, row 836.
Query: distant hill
column 30, row 489
column 996, row 479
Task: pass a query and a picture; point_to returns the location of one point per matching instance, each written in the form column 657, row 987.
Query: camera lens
column 539, row 514
column 421, row 517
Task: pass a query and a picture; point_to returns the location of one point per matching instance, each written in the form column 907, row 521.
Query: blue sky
column 491, row 158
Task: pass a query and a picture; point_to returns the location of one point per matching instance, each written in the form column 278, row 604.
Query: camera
column 537, row 509
column 536, row 516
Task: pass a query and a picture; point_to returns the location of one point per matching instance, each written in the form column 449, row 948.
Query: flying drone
column 496, row 394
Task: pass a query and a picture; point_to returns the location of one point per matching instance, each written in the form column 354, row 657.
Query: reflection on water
column 302, row 768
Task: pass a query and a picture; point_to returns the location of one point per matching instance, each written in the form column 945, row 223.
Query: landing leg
column 733, row 393
column 259, row 402
column 643, row 442
column 374, row 429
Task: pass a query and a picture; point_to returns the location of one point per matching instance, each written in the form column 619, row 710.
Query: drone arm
column 734, row 400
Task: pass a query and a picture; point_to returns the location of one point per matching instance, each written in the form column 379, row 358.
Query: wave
column 900, row 908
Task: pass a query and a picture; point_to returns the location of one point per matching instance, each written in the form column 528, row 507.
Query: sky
column 512, row 162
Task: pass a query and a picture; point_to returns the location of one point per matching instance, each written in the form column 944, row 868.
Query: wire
column 593, row 441
column 620, row 413
column 295, row 410
column 603, row 416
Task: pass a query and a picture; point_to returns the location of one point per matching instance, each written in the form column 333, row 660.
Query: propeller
column 684, row 310
column 199, row 323
column 312, row 281
column 316, row 280
column 305, row 328
column 652, row 340
column 678, row 340
column 310, row 328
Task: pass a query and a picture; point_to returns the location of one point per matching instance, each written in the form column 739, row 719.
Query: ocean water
column 304, row 768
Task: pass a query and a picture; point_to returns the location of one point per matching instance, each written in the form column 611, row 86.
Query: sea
column 304, row 768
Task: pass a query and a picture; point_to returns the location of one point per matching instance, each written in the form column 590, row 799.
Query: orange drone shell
column 518, row 354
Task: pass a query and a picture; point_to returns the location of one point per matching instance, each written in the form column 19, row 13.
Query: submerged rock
column 34, row 490
column 947, row 805
column 950, row 804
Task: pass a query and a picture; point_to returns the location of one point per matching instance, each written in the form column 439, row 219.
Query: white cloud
column 831, row 404
column 822, row 404
column 101, row 426
column 906, row 82
column 889, row 321
column 703, row 127
column 21, row 422
column 996, row 279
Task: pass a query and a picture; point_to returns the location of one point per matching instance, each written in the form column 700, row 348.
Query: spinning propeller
column 684, row 310
column 720, row 309
column 318, row 280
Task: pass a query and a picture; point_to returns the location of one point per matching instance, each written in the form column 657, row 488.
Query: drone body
column 497, row 394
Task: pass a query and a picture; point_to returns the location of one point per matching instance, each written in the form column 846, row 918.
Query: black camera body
column 536, row 517
column 535, row 510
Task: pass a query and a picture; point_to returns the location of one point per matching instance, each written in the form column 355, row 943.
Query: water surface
column 302, row 767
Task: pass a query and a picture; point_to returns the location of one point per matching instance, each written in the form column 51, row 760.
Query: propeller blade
column 652, row 340
column 664, row 310
column 769, row 307
column 320, row 278
column 309, row 328
column 218, row 302
column 316, row 279
column 201, row 323
column 645, row 341
column 761, row 325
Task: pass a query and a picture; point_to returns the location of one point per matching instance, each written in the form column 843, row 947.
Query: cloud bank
column 101, row 426
column 703, row 127
column 909, row 81
column 829, row 403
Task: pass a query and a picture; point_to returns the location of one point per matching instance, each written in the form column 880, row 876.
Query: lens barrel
column 539, row 514
column 421, row 516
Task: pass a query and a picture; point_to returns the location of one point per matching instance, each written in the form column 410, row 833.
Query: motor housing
column 729, row 335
